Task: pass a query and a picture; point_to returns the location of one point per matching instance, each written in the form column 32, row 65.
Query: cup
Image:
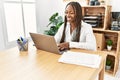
column 23, row 46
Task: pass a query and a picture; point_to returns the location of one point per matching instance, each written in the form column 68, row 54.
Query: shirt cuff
column 72, row 45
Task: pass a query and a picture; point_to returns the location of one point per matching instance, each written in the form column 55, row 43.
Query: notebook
column 45, row 42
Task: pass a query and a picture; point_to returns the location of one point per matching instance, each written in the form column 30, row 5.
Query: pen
column 19, row 41
column 21, row 38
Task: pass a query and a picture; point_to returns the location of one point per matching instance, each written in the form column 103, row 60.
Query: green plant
column 108, row 62
column 55, row 21
column 109, row 42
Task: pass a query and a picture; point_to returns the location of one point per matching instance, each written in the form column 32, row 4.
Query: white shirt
column 87, row 39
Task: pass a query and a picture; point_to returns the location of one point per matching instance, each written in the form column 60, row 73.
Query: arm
column 87, row 39
column 58, row 35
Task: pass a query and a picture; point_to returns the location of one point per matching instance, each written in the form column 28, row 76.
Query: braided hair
column 78, row 11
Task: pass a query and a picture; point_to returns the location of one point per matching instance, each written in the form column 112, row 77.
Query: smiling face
column 70, row 14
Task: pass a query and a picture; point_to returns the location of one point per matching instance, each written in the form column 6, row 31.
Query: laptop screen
column 45, row 42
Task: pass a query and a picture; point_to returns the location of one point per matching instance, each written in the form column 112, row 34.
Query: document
column 79, row 58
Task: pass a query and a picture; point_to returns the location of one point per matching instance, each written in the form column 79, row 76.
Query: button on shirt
column 87, row 39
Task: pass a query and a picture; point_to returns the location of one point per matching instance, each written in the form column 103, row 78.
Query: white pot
column 107, row 67
column 109, row 48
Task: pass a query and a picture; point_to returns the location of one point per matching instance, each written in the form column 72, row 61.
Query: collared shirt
column 87, row 39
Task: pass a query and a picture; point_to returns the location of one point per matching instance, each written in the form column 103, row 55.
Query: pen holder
column 23, row 46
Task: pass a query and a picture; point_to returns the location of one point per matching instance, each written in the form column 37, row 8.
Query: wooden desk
column 41, row 65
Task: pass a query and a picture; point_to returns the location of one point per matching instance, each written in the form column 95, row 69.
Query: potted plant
column 109, row 44
column 55, row 21
column 108, row 64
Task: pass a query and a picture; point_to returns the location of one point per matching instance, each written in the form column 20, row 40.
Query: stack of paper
column 79, row 58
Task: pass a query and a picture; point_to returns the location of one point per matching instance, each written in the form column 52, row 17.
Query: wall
column 1, row 35
column 115, row 5
column 2, row 45
column 45, row 8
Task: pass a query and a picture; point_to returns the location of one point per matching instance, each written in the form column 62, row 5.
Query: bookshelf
column 103, row 33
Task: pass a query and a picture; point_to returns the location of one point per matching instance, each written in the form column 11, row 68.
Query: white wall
column 2, row 45
column 1, row 36
column 115, row 5
column 45, row 8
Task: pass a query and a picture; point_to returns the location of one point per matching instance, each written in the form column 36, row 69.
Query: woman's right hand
column 63, row 46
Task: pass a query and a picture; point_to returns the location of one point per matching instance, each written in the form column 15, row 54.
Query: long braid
column 63, row 35
column 78, row 11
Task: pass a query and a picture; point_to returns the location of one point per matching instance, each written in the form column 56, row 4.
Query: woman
column 75, row 33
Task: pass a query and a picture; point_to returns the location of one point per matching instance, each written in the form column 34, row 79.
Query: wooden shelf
column 102, row 11
column 110, row 72
column 102, row 33
column 112, row 52
column 107, row 31
column 96, row 6
column 98, row 29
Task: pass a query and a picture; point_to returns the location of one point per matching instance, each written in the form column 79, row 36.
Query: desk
column 41, row 65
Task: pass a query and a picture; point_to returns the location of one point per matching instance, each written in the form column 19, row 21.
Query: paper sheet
column 79, row 58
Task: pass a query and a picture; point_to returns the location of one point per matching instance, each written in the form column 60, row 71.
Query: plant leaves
column 52, row 18
column 59, row 24
column 55, row 22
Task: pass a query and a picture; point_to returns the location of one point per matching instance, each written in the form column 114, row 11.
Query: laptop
column 45, row 42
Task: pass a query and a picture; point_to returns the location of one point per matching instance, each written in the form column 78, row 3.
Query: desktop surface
column 42, row 65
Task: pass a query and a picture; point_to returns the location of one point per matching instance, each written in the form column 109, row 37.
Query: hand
column 63, row 46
